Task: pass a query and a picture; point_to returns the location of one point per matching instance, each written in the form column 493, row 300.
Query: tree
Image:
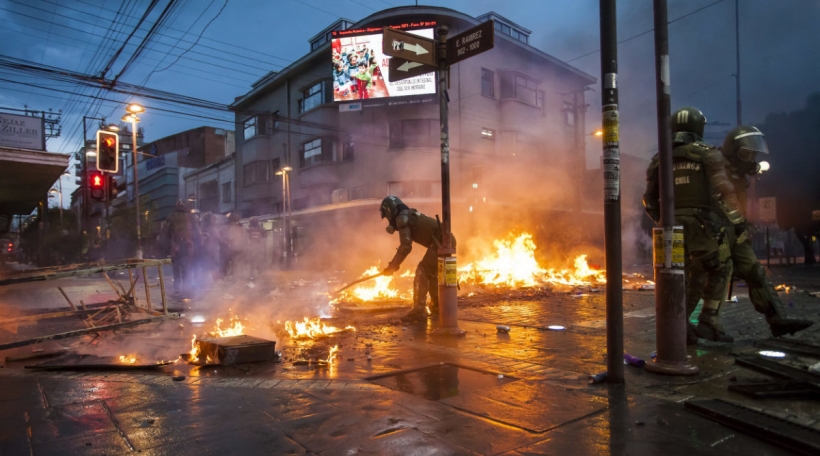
column 794, row 142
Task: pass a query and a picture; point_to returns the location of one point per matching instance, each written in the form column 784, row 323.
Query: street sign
column 403, row 69
column 767, row 209
column 471, row 42
column 409, row 47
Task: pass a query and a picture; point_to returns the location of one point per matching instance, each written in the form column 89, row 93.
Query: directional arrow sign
column 471, row 42
column 408, row 46
column 403, row 69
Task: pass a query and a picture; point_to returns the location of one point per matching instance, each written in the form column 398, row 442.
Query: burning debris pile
column 312, row 329
column 514, row 266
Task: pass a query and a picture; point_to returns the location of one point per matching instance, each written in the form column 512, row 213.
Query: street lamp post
column 59, row 192
column 286, row 212
column 131, row 116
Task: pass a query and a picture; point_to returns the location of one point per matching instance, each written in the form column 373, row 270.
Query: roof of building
column 281, row 76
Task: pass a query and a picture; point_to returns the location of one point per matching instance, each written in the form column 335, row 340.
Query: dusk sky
column 214, row 50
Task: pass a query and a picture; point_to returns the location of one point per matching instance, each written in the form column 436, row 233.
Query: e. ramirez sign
column 22, row 132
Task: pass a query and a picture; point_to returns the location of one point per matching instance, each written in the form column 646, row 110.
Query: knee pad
column 757, row 275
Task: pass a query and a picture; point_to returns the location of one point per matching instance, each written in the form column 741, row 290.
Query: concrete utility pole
column 670, row 287
column 612, row 193
column 447, row 282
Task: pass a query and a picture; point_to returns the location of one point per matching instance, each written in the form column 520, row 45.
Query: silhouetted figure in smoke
column 234, row 240
column 741, row 148
column 707, row 208
column 255, row 247
column 209, row 253
column 182, row 235
column 413, row 226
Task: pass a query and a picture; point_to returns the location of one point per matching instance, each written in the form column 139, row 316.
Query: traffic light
column 96, row 186
column 108, row 151
column 112, row 188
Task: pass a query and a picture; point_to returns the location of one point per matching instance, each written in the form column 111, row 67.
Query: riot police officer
column 701, row 189
column 233, row 243
column 182, row 235
column 413, row 226
column 741, row 148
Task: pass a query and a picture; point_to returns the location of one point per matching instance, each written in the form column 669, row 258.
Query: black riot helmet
column 389, row 207
column 687, row 125
column 253, row 222
column 741, row 147
column 181, row 206
column 233, row 217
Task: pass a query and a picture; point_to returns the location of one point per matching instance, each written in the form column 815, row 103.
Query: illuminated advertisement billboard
column 361, row 70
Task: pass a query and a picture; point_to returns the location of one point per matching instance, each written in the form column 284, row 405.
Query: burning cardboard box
column 235, row 350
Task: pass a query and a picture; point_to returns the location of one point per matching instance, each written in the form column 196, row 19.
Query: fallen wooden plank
column 80, row 332
column 44, row 316
column 80, row 270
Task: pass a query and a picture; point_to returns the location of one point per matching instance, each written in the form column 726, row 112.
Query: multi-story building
column 516, row 122
column 162, row 165
column 211, row 188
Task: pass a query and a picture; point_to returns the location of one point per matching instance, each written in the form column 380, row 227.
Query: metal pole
column 284, row 220
column 737, row 62
column 447, row 282
column 670, row 286
column 84, row 184
column 60, row 183
column 612, row 192
column 136, row 183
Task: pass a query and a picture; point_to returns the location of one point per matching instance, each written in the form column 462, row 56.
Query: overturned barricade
column 126, row 310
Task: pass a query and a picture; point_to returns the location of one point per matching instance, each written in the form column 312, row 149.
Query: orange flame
column 379, row 288
column 311, row 329
column 128, row 359
column 236, row 328
column 514, row 265
column 332, row 355
column 194, row 353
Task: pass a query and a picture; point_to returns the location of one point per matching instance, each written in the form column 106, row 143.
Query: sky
column 215, row 49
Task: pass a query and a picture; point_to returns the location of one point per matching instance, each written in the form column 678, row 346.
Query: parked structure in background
column 516, row 114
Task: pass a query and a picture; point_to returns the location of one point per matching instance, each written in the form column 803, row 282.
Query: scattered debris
column 597, row 378
column 502, row 328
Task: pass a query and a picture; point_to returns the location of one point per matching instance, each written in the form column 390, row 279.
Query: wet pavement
column 394, row 389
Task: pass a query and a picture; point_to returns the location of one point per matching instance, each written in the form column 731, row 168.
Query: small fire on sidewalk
column 312, row 329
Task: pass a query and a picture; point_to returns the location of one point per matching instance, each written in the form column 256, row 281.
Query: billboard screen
column 361, row 70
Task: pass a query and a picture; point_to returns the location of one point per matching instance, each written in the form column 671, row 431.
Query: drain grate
column 780, row 432
column 441, row 381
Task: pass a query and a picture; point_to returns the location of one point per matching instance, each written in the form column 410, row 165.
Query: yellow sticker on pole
column 668, row 242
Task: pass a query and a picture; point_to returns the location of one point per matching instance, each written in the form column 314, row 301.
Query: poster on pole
column 767, row 209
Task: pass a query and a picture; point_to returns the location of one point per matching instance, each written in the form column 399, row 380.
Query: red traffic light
column 108, row 148
column 97, row 181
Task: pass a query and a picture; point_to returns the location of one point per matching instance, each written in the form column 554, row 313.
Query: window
column 312, row 152
column 255, row 172
column 311, row 97
column 414, row 133
column 250, row 127
column 275, row 164
column 487, row 83
column 226, row 192
column 486, row 133
column 209, row 196
column 512, row 32
column 569, row 114
column 517, row 86
column 348, row 148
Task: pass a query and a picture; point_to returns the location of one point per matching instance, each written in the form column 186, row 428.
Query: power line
column 648, row 31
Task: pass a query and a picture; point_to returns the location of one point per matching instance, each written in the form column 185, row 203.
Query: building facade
column 516, row 123
column 211, row 188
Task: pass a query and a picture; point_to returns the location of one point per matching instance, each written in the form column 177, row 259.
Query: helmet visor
column 750, row 144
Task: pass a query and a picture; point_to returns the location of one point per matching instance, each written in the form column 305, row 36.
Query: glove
column 390, row 269
column 742, row 228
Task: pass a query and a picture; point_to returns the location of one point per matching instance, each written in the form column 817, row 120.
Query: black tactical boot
column 691, row 334
column 782, row 325
column 709, row 327
column 415, row 315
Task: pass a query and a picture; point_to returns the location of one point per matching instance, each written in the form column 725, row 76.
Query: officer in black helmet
column 741, row 148
column 413, row 226
column 182, row 235
column 702, row 189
